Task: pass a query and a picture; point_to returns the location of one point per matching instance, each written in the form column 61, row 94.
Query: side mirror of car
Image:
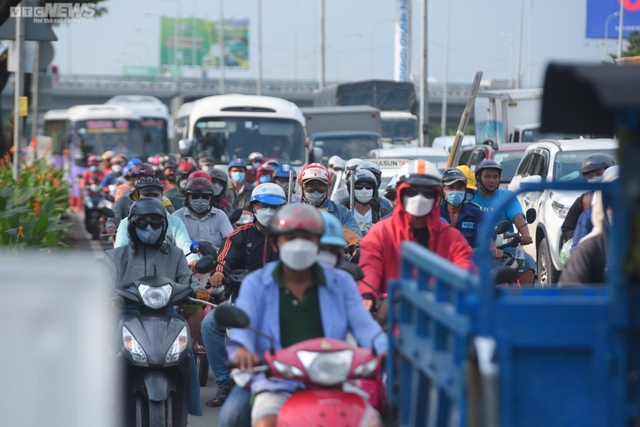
column 531, row 215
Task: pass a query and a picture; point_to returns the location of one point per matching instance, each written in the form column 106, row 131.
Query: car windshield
column 237, row 137
column 347, row 147
column 509, row 160
column 568, row 163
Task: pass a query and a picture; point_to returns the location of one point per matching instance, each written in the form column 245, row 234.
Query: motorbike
column 510, row 265
column 324, row 366
column 154, row 352
column 96, row 209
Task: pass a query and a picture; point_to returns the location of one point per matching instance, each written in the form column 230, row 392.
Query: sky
column 359, row 37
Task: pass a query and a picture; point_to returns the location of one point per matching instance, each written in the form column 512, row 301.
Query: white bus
column 234, row 126
column 156, row 128
column 181, row 125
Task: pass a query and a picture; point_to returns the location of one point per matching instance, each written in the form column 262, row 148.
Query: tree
column 5, row 8
column 633, row 45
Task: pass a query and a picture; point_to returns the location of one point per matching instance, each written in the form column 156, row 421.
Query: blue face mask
column 468, row 197
column 265, row 178
column 94, row 168
column 455, row 198
column 237, row 177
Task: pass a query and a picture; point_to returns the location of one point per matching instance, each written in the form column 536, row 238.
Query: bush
column 31, row 208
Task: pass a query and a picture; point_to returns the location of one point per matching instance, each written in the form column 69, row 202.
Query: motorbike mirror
column 206, row 248
column 353, row 269
column 505, row 275
column 109, row 197
column 503, row 227
column 231, row 317
column 107, row 212
column 235, row 216
column 531, row 215
column 317, row 154
column 194, row 247
column 184, row 146
column 205, row 265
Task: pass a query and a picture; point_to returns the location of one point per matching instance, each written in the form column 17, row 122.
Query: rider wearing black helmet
column 592, row 169
column 489, row 196
column 466, row 217
column 220, row 180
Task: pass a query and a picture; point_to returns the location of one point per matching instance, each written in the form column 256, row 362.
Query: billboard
column 402, row 62
column 603, row 20
column 194, row 42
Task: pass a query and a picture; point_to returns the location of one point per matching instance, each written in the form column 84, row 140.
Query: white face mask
column 116, row 169
column 265, row 215
column 418, row 206
column 316, row 198
column 328, row 258
column 217, row 189
column 364, row 195
column 299, row 254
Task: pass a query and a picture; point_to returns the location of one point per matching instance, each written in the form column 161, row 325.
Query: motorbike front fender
column 158, row 385
column 328, row 407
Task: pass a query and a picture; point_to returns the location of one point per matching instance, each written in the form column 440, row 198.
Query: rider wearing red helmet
column 416, row 218
column 314, row 181
column 264, row 174
column 93, row 175
column 312, row 300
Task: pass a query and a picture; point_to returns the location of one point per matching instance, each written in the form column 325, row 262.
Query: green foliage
column 31, row 207
column 633, row 45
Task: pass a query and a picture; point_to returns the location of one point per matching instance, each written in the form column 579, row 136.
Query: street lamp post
column 606, row 29
column 620, row 29
column 443, row 119
column 322, row 46
column 259, row 82
column 424, row 106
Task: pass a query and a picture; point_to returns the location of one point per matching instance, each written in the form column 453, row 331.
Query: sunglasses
column 200, row 196
column 156, row 223
column 363, row 186
column 414, row 191
column 310, row 186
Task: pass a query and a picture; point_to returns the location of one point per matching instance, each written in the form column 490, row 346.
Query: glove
column 202, row 295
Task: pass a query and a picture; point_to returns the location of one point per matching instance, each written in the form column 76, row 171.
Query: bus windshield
column 237, row 137
column 154, row 135
column 120, row 136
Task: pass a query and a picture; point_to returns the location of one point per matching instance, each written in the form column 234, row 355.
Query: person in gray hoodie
column 147, row 254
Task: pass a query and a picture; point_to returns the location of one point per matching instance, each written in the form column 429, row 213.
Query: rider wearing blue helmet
column 281, row 177
column 489, row 197
column 332, row 242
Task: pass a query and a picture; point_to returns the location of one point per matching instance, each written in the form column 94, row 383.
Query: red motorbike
column 325, row 366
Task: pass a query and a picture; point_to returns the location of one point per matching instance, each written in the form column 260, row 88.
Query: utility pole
column 17, row 93
column 259, row 83
column 519, row 79
column 620, row 29
column 221, row 46
column 423, row 120
column 322, row 46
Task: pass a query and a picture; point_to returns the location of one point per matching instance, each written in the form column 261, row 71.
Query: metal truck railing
column 465, row 353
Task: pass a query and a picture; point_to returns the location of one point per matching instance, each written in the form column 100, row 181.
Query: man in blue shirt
column 490, row 196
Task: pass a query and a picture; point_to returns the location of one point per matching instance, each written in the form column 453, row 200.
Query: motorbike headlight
column 178, row 346
column 154, row 297
column 366, row 369
column 327, row 368
column 560, row 209
column 287, row 371
column 133, row 346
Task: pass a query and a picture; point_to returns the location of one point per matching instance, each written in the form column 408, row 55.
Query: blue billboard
column 603, row 20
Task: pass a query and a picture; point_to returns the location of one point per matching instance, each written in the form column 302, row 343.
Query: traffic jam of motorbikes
column 338, row 264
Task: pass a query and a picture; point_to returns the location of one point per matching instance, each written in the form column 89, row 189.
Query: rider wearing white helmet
column 416, row 217
column 342, row 192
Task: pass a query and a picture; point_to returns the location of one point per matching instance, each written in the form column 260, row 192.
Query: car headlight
column 133, row 346
column 327, row 368
column 286, row 370
column 155, row 297
column 366, row 369
column 560, row 209
column 178, row 346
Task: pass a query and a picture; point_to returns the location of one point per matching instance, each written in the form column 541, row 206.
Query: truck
column 349, row 118
column 465, row 352
column 397, row 102
column 511, row 115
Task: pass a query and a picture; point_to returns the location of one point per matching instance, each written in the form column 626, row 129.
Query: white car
column 553, row 160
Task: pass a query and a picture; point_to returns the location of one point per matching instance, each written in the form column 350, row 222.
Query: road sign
column 23, row 106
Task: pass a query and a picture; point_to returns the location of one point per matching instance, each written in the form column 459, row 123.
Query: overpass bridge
column 73, row 89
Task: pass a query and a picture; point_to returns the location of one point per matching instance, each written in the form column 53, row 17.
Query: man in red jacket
column 416, row 218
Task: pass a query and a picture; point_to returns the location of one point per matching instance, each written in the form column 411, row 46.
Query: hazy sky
column 359, row 37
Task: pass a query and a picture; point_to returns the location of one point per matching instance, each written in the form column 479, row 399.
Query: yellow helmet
column 471, row 179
